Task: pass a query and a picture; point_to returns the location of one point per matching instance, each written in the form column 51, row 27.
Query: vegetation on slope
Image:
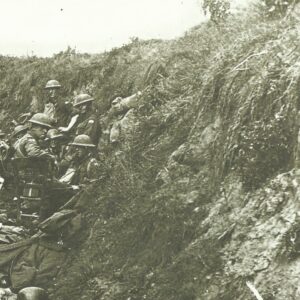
column 190, row 194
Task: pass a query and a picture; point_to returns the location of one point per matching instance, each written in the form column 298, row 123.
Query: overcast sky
column 44, row 27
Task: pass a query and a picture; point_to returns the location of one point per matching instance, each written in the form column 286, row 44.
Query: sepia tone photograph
column 149, row 150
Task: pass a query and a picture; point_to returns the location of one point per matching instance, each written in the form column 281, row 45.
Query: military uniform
column 88, row 123
column 28, row 146
column 84, row 167
column 91, row 127
column 59, row 112
column 86, row 171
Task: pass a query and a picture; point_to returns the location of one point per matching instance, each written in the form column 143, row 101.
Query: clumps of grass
column 140, row 233
column 264, row 148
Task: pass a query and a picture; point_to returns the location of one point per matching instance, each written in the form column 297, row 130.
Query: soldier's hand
column 63, row 129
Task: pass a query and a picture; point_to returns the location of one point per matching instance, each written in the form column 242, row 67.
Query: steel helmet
column 52, row 84
column 53, row 134
column 32, row 293
column 18, row 129
column 82, row 98
column 41, row 119
column 82, row 140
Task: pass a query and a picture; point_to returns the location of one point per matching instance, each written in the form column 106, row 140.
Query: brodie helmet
column 82, row 140
column 32, row 293
column 41, row 119
column 53, row 134
column 82, row 98
column 18, row 129
column 52, row 84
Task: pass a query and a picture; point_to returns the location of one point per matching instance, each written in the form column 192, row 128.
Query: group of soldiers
column 64, row 133
column 60, row 141
column 60, row 144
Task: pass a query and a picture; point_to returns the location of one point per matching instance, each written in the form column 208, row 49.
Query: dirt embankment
column 202, row 198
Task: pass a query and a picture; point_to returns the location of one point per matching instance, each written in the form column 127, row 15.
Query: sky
column 45, row 27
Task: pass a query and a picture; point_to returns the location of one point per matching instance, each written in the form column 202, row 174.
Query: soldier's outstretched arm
column 71, row 124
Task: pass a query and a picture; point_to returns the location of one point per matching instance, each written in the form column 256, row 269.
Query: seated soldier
column 84, row 170
column 29, row 144
column 84, row 167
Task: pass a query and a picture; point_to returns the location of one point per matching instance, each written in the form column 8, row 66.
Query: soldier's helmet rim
column 41, row 119
column 52, row 84
column 82, row 99
column 82, row 140
column 34, row 293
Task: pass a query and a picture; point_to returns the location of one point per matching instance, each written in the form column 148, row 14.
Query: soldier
column 122, row 119
column 18, row 132
column 87, row 122
column 29, row 144
column 56, row 141
column 7, row 149
column 84, row 167
column 83, row 171
column 59, row 111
